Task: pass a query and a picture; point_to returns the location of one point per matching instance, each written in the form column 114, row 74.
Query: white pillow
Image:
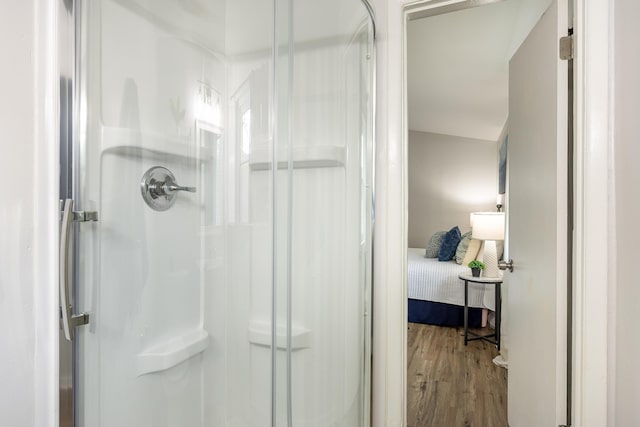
column 461, row 250
column 472, row 251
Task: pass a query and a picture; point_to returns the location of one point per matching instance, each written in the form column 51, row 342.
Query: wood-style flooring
column 450, row 384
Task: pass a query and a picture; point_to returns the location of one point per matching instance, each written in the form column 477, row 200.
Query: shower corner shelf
column 123, row 140
column 260, row 334
column 168, row 354
column 319, row 156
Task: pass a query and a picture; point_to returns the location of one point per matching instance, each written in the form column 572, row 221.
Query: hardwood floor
column 450, row 384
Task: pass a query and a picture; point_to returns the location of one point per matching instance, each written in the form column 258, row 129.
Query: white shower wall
column 329, row 250
column 328, row 292
column 329, row 233
column 181, row 300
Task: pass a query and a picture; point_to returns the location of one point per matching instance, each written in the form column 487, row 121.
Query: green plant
column 476, row 264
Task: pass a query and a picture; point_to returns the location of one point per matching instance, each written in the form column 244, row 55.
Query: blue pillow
column 449, row 244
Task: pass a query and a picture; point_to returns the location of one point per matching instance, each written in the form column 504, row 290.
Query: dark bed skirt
column 437, row 313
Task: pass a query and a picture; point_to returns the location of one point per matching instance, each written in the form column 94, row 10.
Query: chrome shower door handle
column 69, row 321
column 65, row 300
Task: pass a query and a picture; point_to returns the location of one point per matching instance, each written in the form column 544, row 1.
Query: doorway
column 438, row 122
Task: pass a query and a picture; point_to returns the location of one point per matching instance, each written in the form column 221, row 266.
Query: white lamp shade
column 488, row 226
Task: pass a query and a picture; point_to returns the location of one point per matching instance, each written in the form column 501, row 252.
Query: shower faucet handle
column 169, row 186
column 159, row 188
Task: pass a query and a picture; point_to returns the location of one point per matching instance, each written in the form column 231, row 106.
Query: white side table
column 493, row 338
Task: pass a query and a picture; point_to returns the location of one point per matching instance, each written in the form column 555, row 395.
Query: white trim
column 593, row 90
column 390, row 252
column 45, row 199
column 389, row 302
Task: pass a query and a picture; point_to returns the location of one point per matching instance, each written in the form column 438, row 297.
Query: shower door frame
column 66, row 58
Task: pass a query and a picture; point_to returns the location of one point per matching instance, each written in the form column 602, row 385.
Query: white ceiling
column 250, row 22
column 458, row 67
column 236, row 27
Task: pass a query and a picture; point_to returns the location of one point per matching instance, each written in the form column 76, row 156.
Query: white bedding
column 433, row 280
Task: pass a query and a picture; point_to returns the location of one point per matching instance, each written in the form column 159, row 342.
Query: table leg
column 466, row 310
column 498, row 313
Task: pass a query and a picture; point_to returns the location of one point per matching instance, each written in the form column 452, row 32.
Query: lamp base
column 490, row 259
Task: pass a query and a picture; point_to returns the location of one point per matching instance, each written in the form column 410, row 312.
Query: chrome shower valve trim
column 159, row 188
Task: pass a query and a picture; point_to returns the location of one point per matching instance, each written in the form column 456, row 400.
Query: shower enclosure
column 216, row 212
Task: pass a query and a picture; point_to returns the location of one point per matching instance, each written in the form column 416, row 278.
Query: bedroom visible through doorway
column 458, row 107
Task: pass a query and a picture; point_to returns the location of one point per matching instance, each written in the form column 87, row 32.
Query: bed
column 436, row 294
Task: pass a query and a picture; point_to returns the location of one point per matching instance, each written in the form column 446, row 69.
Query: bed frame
column 441, row 314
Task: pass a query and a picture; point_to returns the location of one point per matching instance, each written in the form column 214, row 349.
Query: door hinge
column 566, row 50
column 81, row 216
column 80, row 319
column 84, row 216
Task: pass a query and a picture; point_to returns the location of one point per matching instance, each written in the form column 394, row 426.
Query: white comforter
column 433, row 280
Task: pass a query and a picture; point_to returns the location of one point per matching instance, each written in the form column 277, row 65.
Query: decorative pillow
column 433, row 247
column 461, row 250
column 472, row 251
column 449, row 244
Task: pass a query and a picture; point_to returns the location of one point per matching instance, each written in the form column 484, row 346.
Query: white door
column 537, row 213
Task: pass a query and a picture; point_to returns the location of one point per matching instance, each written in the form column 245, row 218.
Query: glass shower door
column 150, row 161
column 323, row 143
column 223, row 150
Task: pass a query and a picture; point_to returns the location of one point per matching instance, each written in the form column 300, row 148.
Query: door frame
column 66, row 76
column 593, row 337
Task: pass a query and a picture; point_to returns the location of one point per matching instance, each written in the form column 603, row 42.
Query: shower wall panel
column 154, row 96
column 328, row 289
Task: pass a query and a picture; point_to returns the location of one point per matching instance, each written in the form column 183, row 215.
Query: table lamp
column 489, row 226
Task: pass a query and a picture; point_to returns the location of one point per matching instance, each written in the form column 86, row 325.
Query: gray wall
column 449, row 177
column 627, row 206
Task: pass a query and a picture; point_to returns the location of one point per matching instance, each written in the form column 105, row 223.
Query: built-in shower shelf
column 129, row 141
column 172, row 352
column 260, row 334
column 320, row 156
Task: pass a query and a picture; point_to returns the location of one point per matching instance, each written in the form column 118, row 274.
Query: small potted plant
column 476, row 266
